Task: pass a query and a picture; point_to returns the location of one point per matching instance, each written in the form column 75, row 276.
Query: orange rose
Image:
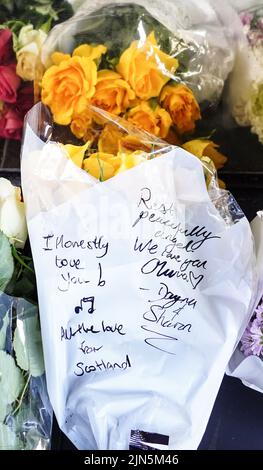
column 180, row 102
column 112, row 93
column 146, row 68
column 68, row 87
column 81, row 123
column 156, row 122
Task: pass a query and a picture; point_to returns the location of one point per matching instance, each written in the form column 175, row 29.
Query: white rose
column 29, row 35
column 30, row 42
column 12, row 214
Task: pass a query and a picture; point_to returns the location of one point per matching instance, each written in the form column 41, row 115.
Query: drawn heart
column 195, row 280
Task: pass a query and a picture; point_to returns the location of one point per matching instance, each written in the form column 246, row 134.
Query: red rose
column 11, row 124
column 25, row 99
column 6, row 47
column 9, row 83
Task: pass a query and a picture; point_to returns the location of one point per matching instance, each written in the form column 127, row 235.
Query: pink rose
column 9, row 83
column 25, row 99
column 11, row 124
column 6, row 47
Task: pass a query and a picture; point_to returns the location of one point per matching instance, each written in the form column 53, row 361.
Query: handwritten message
column 168, row 265
column 73, row 271
column 172, row 254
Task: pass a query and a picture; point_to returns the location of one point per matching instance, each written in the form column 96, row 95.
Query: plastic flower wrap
column 247, row 360
column 145, row 275
column 252, row 340
column 180, row 43
column 25, row 413
column 155, row 73
column 246, row 84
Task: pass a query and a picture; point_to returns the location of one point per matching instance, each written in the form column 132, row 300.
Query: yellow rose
column 81, row 123
column 101, row 165
column 130, row 143
column 164, row 122
column 112, row 93
column 92, row 52
column 130, row 160
column 30, row 44
column 68, row 87
column 58, row 57
column 109, row 139
column 146, row 68
column 143, row 117
column 156, row 122
column 182, row 106
column 206, row 148
column 76, row 152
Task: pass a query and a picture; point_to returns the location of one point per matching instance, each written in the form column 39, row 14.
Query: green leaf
column 28, row 346
column 23, row 283
column 8, row 4
column 153, row 102
column 46, row 26
column 11, row 378
column 6, row 262
column 3, row 331
column 8, row 439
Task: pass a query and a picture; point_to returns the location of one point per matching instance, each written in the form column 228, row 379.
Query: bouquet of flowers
column 246, row 85
column 23, row 30
column 252, row 340
column 246, row 363
column 140, row 272
column 25, row 412
column 147, row 74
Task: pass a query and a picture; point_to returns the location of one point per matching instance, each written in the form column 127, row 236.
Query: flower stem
column 20, row 260
column 22, row 395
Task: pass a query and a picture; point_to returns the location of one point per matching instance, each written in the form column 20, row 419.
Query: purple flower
column 246, row 18
column 252, row 339
column 259, row 310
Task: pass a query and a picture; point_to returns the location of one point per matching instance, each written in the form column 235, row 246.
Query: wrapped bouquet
column 246, row 85
column 152, row 68
column 145, row 280
column 25, row 412
column 247, row 361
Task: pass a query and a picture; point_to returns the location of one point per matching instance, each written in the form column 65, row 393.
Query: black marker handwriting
column 171, row 299
column 159, row 268
column 79, row 308
column 71, row 280
column 82, row 328
column 158, row 315
column 89, row 349
column 161, row 341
